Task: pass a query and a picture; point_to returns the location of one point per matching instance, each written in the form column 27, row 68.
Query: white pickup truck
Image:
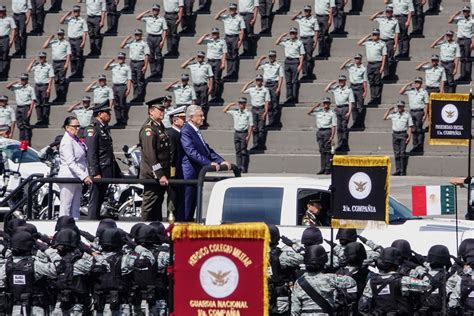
column 282, row 200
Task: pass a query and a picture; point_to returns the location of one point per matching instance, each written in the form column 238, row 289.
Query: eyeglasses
column 75, row 126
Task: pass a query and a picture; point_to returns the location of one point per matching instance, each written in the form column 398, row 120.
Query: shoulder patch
column 90, row 132
column 148, row 131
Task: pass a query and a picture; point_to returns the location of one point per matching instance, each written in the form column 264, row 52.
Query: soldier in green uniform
column 155, row 163
column 313, row 209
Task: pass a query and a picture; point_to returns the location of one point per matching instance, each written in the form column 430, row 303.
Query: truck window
column 252, row 205
column 311, row 196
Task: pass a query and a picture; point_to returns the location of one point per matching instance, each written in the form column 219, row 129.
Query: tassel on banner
column 361, row 161
column 450, row 96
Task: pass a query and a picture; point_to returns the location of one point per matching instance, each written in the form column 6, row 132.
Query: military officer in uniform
column 266, row 17
column 403, row 11
column 217, row 58
column 402, row 125
column 25, row 98
column 260, row 100
column 326, row 122
column 449, row 52
column 418, row 19
column 43, row 74
column 344, row 99
column 248, row 10
column 273, row 76
column 7, row 38
column 203, row 81
column 155, row 162
column 139, row 57
column 61, row 54
column 184, row 94
column 243, row 124
column 309, row 33
column 77, row 34
column 21, row 14
column 465, row 25
column 324, row 14
column 167, row 99
column 389, row 33
column 434, row 73
column 83, row 112
column 418, row 100
column 310, row 217
column 102, row 93
column 157, row 33
column 376, row 52
column 173, row 16
column 7, row 118
column 96, row 11
column 100, row 157
column 294, row 53
column 122, row 85
column 234, row 28
column 358, row 79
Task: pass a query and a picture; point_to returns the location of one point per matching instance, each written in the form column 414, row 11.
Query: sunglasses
column 75, row 126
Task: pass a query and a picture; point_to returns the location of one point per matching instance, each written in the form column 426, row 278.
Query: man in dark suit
column 196, row 154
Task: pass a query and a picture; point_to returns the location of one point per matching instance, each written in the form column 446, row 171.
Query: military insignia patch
column 90, row 133
column 148, row 132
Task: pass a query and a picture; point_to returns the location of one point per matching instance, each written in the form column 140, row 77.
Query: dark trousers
column 60, row 83
column 205, row 5
column 259, row 130
column 284, row 6
column 466, row 64
column 4, row 56
column 399, row 151
column 249, row 36
column 129, row 5
column 241, row 153
column 98, row 192
column 188, row 24
column 322, row 137
column 23, row 122
column 218, row 86
column 266, row 15
column 434, row 5
column 357, row 6
column 156, row 57
column 324, row 39
column 56, row 5
column 20, row 41
column 37, row 16
column 449, row 85
column 274, row 111
column 291, row 78
column 138, row 80
column 418, row 18
column 359, row 110
column 173, row 36
column 403, row 37
column 233, row 62
column 121, row 107
column 308, row 63
column 418, row 131
column 431, row 90
column 375, row 80
column 390, row 64
column 153, row 197
column 77, row 57
column 339, row 17
column 112, row 16
column 202, row 96
column 42, row 104
column 95, row 37
column 174, row 201
column 342, row 128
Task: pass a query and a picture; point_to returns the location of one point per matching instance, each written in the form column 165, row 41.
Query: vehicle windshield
column 398, row 212
column 13, row 153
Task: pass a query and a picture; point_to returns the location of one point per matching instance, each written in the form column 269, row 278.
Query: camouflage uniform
column 372, row 254
column 453, row 288
column 309, row 219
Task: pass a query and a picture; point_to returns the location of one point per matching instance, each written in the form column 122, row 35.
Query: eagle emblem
column 450, row 114
column 360, row 186
column 219, row 278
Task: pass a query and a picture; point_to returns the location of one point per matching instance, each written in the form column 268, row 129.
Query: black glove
column 41, row 245
column 44, row 238
column 130, row 242
column 87, row 236
column 363, row 239
column 330, row 243
column 287, row 241
column 419, row 258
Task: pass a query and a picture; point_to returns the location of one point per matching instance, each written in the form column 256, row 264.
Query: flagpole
column 469, row 214
column 456, row 214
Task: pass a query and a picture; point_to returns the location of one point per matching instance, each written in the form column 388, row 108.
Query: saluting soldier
column 157, row 33
column 248, row 10
column 294, row 53
column 418, row 100
column 77, row 34
column 243, row 124
column 450, row 53
column 217, row 58
column 83, row 112
column 102, row 93
column 435, row 75
column 122, row 85
column 309, row 32
column 167, row 99
column 389, row 33
column 344, row 99
column 403, row 11
column 326, row 122
column 273, row 76
column 402, row 125
column 358, row 79
column 155, row 162
column 266, row 17
column 259, row 99
column 43, row 74
column 203, row 81
column 418, row 18
column 139, row 54
column 184, row 94
column 25, row 98
column 465, row 25
column 61, row 54
column 7, row 38
column 21, row 14
column 7, row 118
column 376, row 52
column 234, row 28
column 324, row 14
column 173, row 16
column 96, row 10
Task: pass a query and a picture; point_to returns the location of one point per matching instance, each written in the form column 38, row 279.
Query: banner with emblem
column 450, row 119
column 360, row 187
column 220, row 270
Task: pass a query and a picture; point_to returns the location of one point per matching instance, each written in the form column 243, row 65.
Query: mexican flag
column 433, row 200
